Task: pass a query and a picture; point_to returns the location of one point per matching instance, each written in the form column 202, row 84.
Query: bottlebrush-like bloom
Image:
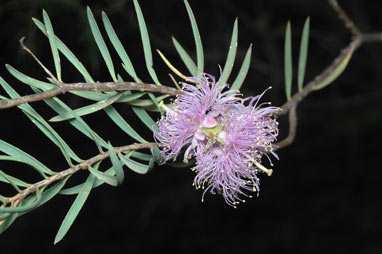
column 227, row 137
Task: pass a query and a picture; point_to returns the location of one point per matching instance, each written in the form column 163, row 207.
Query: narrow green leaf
column 156, row 100
column 101, row 44
column 141, row 156
column 23, row 208
column 16, row 181
column 117, row 165
column 147, row 102
column 127, row 97
column 198, row 41
column 24, row 157
column 96, row 96
column 8, row 222
column 42, row 125
column 153, row 108
column 118, row 47
column 76, row 189
column 243, row 70
column 230, row 57
column 303, row 54
column 66, row 52
column 87, row 109
column 28, row 80
column 141, row 113
column 75, row 208
column 2, row 198
column 146, row 43
column 157, row 155
column 144, row 116
column 60, row 107
column 118, row 120
column 133, row 165
column 52, row 42
column 187, row 60
column 288, row 61
column 338, row 69
column 6, row 179
column 111, row 180
column 48, row 194
column 4, row 215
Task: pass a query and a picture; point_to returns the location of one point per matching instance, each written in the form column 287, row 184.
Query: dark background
column 324, row 195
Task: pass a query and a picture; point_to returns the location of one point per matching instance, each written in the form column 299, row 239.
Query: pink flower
column 227, row 138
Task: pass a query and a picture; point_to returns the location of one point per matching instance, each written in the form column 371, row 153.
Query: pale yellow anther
column 266, row 170
column 162, row 105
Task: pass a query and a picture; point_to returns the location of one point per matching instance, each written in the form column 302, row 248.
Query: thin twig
column 353, row 45
column 358, row 39
column 372, row 37
column 68, row 87
column 292, row 131
column 70, row 171
column 344, row 17
column 36, row 59
column 99, row 86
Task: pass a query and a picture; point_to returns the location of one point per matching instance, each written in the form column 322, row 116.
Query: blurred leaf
column 243, row 70
column 303, row 54
column 117, row 165
column 75, row 208
column 118, row 47
column 87, row 109
column 230, row 57
column 53, row 45
column 185, row 58
column 133, row 165
column 111, row 180
column 341, row 64
column 118, row 120
column 288, row 61
column 101, row 44
column 67, row 53
column 198, row 41
column 146, row 43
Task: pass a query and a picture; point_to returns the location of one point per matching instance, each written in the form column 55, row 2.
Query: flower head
column 227, row 137
column 194, row 108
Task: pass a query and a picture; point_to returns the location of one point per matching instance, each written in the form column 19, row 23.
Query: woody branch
column 358, row 39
